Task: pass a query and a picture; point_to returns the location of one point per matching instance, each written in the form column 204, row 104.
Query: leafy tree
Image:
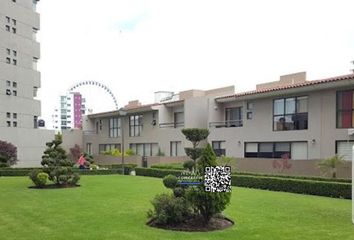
column 331, row 164
column 57, row 165
column 8, row 154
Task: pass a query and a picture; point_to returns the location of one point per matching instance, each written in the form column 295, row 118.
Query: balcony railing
column 172, row 125
column 226, row 124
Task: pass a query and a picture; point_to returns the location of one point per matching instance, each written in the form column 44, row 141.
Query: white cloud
column 179, row 45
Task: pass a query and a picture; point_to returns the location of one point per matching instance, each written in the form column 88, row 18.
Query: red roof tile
column 298, row 85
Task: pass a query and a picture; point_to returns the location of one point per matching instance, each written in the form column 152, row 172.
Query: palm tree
column 331, row 164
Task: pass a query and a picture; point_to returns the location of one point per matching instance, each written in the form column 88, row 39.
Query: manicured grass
column 114, row 207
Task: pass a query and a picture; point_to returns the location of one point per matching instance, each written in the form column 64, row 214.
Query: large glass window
column 178, row 119
column 176, row 148
column 292, row 150
column 135, row 125
column 345, row 109
column 233, row 117
column 108, row 147
column 219, row 148
column 114, row 127
column 290, row 113
column 145, row 149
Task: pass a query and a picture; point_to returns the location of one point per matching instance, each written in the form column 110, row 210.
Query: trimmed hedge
column 319, row 188
column 293, row 185
column 295, row 177
column 177, row 167
column 154, row 172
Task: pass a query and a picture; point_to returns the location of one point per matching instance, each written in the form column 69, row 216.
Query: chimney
column 132, row 104
column 285, row 80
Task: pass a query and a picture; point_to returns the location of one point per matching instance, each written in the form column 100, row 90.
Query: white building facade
column 20, row 80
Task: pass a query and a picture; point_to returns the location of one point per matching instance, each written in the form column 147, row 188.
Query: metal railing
column 226, row 124
column 171, row 125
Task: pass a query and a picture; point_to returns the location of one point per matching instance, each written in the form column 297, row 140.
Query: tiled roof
column 298, row 85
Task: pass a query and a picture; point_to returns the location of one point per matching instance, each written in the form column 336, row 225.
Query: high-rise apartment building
column 20, row 80
column 70, row 111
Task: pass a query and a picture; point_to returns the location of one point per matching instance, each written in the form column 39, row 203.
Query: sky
column 138, row 47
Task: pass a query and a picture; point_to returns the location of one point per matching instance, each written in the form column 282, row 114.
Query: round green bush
column 170, row 181
column 42, row 179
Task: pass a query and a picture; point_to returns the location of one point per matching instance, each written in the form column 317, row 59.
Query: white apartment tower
column 70, row 111
column 20, row 80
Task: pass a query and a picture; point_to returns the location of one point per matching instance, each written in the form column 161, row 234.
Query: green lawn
column 114, row 207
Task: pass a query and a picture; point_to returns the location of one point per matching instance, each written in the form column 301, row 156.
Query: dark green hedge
column 320, row 188
column 296, row 177
column 311, row 187
column 154, row 172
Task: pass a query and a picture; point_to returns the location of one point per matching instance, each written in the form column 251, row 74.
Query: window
column 35, row 91
column 89, row 148
column 249, row 115
column 14, row 53
column 145, row 149
column 35, row 122
column 14, row 115
column 135, row 125
column 176, row 149
column 345, row 109
column 8, row 83
column 14, row 30
column 293, row 150
column 14, row 92
column 233, row 117
column 108, row 147
column 14, row 84
column 8, row 51
column 178, row 119
column 344, row 148
column 7, row 28
column 14, row 21
column 7, row 19
column 14, row 61
column 290, row 114
column 8, row 60
column 114, row 127
column 14, row 124
column 219, row 148
column 8, row 115
column 8, row 123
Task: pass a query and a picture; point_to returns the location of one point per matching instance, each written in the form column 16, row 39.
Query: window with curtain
column 135, row 125
column 233, row 117
column 292, row 150
column 345, row 109
column 114, row 127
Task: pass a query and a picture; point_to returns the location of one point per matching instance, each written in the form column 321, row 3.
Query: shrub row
column 180, row 167
column 295, row 177
column 20, row 172
column 293, row 185
column 311, row 187
column 154, row 172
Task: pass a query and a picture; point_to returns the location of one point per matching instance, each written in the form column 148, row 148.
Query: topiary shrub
column 56, row 163
column 170, row 181
column 169, row 210
column 207, row 204
column 189, row 164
